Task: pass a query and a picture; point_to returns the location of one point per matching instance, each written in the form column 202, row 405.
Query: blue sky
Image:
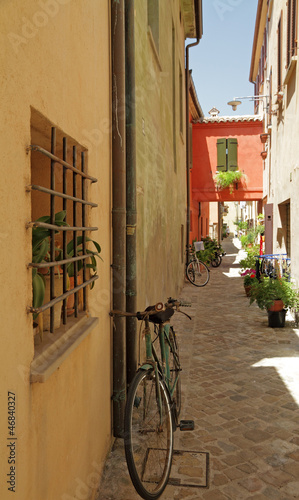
column 221, row 62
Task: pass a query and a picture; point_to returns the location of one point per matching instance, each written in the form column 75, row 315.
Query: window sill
column 58, row 346
column 154, row 48
column 290, row 69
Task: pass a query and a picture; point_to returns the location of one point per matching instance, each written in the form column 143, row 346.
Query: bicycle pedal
column 186, row 425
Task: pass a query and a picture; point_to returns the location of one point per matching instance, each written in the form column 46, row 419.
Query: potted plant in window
column 228, row 179
column 40, row 276
column 92, row 264
column 275, row 295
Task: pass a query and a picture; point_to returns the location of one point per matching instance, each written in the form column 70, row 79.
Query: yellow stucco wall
column 55, row 58
column 161, row 164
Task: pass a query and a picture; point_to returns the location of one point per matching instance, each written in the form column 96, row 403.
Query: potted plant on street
column 275, row 295
column 249, row 279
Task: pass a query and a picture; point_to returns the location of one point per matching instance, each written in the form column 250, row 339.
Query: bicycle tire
column 175, row 369
column 148, row 447
column 198, row 273
column 216, row 261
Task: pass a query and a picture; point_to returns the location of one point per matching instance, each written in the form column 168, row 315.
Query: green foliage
column 242, row 225
column 228, row 178
column 211, row 247
column 41, row 253
column 249, row 279
column 78, row 245
column 248, row 262
column 267, row 290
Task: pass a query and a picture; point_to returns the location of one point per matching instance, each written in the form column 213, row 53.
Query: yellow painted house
column 68, row 92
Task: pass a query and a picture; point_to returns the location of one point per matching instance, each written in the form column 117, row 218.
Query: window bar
column 42, row 189
column 34, row 147
column 75, row 231
column 64, row 234
column 83, row 196
column 61, row 297
column 61, row 228
column 64, row 261
column 52, row 232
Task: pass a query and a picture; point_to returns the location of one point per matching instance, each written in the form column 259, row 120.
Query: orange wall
column 205, row 137
column 199, row 221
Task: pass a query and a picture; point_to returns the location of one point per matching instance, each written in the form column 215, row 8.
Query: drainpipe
column 198, row 8
column 131, row 285
column 118, row 212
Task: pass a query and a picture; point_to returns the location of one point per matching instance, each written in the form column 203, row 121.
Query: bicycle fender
column 146, row 367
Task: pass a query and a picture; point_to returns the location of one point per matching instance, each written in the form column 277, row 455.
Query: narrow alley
column 240, row 385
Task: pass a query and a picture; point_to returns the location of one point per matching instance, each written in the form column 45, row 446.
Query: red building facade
column 238, row 138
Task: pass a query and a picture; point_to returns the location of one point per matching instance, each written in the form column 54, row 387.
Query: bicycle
column 217, row 258
column 154, row 403
column 197, row 271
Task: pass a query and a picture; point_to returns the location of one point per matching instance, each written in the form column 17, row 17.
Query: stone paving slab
column 240, row 385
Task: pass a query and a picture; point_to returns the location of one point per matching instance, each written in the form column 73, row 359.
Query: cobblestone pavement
column 240, row 385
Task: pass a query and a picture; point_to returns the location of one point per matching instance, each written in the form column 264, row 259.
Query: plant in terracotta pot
column 274, row 295
column 249, row 279
column 228, row 179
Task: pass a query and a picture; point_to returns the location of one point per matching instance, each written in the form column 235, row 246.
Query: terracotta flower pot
column 71, row 299
column 58, row 290
column 277, row 306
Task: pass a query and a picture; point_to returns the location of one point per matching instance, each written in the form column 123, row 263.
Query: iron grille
column 79, row 204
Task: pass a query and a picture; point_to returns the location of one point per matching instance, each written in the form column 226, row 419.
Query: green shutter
column 232, row 146
column 221, row 155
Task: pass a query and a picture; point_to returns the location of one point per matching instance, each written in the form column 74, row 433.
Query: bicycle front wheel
column 148, row 435
column 198, row 273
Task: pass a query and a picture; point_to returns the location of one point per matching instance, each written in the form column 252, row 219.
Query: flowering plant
column 249, row 277
column 267, row 290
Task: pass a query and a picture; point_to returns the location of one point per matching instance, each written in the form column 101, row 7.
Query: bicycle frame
column 160, row 367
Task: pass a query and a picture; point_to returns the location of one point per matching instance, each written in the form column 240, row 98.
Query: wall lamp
column 238, row 100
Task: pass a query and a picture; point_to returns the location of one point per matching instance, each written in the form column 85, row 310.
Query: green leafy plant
column 249, row 277
column 266, row 290
column 228, row 179
column 211, row 246
column 248, row 262
column 242, row 225
column 41, row 254
column 78, row 245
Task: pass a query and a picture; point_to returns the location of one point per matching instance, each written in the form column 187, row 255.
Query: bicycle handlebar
column 159, row 307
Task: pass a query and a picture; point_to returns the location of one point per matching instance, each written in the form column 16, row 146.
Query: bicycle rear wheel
column 148, row 438
column 198, row 273
column 216, row 261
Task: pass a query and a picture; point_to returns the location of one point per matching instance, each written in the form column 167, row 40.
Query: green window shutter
column 221, row 155
column 232, row 147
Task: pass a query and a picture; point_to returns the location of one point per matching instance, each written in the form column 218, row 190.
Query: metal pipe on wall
column 118, row 212
column 131, row 282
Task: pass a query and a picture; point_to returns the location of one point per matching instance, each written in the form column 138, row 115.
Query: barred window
column 64, row 256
